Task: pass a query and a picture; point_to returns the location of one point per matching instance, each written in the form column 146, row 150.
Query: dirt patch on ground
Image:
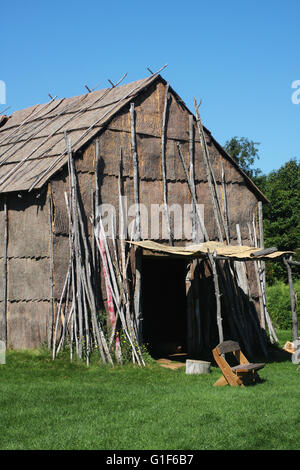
column 170, row 364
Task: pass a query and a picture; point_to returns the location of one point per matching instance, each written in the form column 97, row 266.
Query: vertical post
column 262, row 245
column 259, row 283
column 193, row 194
column 189, row 306
column 135, row 173
column 163, row 165
column 217, row 294
column 5, row 244
column 226, row 218
column 195, row 233
column 293, row 300
column 50, row 208
column 138, row 251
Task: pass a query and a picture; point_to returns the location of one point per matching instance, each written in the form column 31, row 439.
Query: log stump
column 193, row 366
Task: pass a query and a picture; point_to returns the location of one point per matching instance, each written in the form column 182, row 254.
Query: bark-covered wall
column 28, row 272
column 28, row 246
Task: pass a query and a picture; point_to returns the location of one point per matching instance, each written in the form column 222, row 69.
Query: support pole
column 293, row 300
column 138, row 251
column 195, row 233
column 193, row 194
column 189, row 307
column 218, row 296
column 50, row 271
column 5, row 244
column 163, row 165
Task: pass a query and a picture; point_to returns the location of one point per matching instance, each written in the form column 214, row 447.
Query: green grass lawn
column 58, row 405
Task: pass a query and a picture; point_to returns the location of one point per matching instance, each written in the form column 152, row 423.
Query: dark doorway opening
column 164, row 306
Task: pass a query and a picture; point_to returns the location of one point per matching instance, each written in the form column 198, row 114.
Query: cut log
column 265, row 252
column 192, row 366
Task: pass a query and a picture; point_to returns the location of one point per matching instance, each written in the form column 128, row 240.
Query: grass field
column 58, row 405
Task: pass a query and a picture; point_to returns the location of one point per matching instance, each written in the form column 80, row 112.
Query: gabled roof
column 32, row 140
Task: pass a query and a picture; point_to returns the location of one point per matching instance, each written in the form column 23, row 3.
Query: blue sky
column 240, row 57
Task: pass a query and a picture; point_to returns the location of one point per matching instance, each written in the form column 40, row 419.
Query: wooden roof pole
column 137, row 250
column 163, row 165
column 211, row 179
column 193, row 194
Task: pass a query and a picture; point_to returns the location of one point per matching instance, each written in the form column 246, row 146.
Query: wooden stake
column 217, row 294
column 5, row 245
column 77, row 243
column 123, row 236
column 293, row 300
column 226, row 216
column 209, row 173
column 138, row 252
column 195, row 233
column 163, row 165
column 51, row 272
column 135, row 172
column 193, row 194
column 189, row 307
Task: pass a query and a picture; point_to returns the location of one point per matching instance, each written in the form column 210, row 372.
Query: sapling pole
column 114, row 294
column 76, row 241
column 59, row 312
column 272, row 332
column 262, row 242
column 225, row 202
column 86, row 279
column 123, row 233
column 193, row 194
column 5, row 245
column 208, row 172
column 50, row 209
column 217, row 295
column 195, row 234
column 138, row 253
column 163, row 165
column 293, row 300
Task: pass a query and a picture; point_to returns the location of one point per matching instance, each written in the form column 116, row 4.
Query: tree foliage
column 282, row 189
column 282, row 215
column 244, row 152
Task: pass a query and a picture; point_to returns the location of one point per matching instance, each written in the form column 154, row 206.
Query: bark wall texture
column 28, row 244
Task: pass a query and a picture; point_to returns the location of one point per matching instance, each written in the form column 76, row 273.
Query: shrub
column 279, row 304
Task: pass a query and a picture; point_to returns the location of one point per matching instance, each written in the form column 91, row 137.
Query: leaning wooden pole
column 209, row 174
column 293, row 300
column 50, row 208
column 5, row 245
column 195, row 232
column 193, row 194
column 262, row 264
column 138, row 252
column 122, row 238
column 225, row 202
column 163, row 165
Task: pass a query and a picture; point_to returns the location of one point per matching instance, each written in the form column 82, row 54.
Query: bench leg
column 221, row 382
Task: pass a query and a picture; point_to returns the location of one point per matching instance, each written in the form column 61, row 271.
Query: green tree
column 282, row 215
column 244, row 152
column 282, row 189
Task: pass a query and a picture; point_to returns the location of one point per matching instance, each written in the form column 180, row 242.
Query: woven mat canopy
column 222, row 251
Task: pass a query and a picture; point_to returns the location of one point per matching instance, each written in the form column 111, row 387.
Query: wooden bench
column 242, row 373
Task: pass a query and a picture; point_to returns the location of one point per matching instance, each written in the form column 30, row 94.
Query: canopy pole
column 293, row 299
column 217, row 294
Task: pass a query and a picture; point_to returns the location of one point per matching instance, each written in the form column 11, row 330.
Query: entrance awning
column 222, row 251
